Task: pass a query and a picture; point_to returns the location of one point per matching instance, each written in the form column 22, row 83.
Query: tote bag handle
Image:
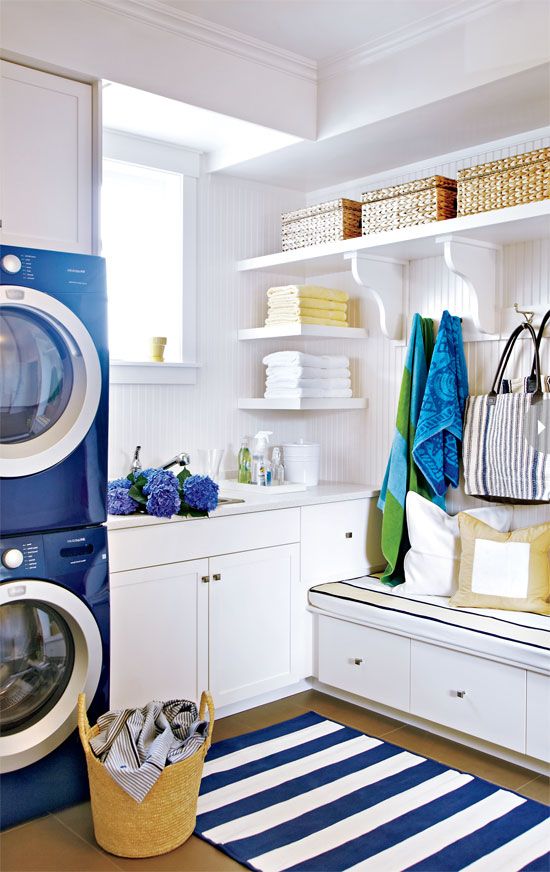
column 505, row 357
column 540, row 334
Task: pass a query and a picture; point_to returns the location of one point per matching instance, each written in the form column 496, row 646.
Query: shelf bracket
column 475, row 262
column 383, row 277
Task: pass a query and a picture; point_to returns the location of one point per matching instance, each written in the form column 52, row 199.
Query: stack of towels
column 307, row 304
column 295, row 374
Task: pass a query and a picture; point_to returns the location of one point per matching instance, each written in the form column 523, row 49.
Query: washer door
column 50, row 651
column 50, row 381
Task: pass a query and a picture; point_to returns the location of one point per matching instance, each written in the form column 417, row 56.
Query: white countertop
column 260, row 500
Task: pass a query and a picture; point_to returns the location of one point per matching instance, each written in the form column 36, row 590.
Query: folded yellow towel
column 301, row 319
column 286, row 302
column 315, row 291
column 293, row 315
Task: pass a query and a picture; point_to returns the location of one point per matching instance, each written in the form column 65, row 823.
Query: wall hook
column 527, row 314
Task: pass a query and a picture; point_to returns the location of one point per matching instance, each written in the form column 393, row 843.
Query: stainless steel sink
column 228, row 501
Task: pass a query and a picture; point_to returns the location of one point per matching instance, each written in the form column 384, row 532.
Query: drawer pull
column 205, row 579
column 349, row 535
column 461, row 694
column 217, row 576
column 357, row 661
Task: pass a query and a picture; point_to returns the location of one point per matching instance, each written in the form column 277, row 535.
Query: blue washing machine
column 54, row 644
column 54, row 374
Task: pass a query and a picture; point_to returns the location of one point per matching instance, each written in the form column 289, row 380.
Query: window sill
column 124, row 372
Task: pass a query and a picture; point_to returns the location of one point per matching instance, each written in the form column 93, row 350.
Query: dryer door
column 50, row 381
column 50, row 651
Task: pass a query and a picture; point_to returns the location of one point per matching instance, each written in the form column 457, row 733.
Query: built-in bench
column 483, row 673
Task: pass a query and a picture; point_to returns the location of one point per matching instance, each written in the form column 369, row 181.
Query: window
column 142, row 235
column 148, row 231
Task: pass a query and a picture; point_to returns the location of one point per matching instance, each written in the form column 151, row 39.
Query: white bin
column 301, row 461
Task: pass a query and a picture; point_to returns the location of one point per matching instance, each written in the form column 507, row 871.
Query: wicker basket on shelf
column 167, row 815
column 324, row 222
column 418, row 202
column 510, row 181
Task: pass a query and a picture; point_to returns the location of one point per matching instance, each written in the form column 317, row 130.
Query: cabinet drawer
column 340, row 540
column 538, row 716
column 470, row 694
column 135, row 547
column 361, row 660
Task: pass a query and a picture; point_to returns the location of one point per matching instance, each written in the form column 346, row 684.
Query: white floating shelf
column 308, row 330
column 304, row 405
column 499, row 227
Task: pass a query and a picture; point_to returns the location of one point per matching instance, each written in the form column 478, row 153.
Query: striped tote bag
column 506, row 446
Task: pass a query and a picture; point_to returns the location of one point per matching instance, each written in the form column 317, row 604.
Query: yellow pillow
column 503, row 570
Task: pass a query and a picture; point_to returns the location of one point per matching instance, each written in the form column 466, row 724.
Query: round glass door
column 50, row 381
column 36, row 662
column 37, row 375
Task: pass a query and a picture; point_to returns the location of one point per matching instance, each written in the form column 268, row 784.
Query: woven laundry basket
column 510, row 181
column 167, row 815
column 419, row 202
column 324, row 222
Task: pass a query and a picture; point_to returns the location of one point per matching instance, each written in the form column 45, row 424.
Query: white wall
column 240, row 219
column 127, row 43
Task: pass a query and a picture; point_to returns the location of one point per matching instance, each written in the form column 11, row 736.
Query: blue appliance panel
column 78, row 561
column 72, row 492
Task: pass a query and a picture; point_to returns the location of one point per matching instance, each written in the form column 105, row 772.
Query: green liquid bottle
column 245, row 462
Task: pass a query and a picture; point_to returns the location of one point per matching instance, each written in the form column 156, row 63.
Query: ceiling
column 319, row 29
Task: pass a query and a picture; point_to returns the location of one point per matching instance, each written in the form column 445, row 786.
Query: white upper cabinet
column 46, row 160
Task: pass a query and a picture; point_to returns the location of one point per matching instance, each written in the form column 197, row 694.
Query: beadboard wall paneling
column 240, row 219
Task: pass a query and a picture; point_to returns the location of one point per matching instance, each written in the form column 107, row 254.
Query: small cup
column 158, row 344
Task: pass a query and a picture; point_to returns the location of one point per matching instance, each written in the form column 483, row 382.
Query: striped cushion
column 359, row 596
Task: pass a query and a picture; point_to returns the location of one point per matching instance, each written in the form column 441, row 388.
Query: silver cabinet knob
column 11, row 263
column 217, row 576
column 357, row 661
column 12, row 558
column 349, row 535
column 205, row 579
column 461, row 694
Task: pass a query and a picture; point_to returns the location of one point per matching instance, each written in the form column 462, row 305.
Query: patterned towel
column 136, row 744
column 439, row 428
column 401, row 472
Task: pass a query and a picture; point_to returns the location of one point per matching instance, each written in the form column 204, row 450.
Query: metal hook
column 526, row 314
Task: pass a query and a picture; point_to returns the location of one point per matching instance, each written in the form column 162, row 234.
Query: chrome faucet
column 182, row 459
column 136, row 462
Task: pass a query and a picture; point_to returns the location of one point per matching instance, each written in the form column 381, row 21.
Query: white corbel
column 475, row 262
column 383, row 277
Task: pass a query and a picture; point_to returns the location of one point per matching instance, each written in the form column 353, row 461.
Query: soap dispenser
column 259, row 457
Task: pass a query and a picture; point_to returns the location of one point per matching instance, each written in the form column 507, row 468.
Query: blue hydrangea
column 200, row 492
column 149, row 474
column 119, row 501
column 121, row 482
column 163, row 491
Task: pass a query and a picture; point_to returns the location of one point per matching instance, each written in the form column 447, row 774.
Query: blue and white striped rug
column 310, row 793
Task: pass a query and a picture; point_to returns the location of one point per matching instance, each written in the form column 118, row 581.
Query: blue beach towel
column 402, row 474
column 436, row 449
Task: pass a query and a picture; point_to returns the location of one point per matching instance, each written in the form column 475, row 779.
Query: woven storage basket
column 167, row 815
column 324, row 222
column 418, row 202
column 511, row 181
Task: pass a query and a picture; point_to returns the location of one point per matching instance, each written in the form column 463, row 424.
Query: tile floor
column 64, row 842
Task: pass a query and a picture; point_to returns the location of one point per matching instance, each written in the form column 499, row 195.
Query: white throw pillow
column 433, row 562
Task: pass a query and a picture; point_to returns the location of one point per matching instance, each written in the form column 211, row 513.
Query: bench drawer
column 538, row 716
column 469, row 694
column 364, row 661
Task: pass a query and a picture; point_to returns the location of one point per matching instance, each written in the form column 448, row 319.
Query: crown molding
column 155, row 13
column 403, row 37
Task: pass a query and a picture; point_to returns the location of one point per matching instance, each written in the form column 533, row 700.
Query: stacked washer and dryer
column 54, row 589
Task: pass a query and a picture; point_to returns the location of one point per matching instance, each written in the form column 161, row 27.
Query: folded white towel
column 307, row 372
column 300, row 358
column 305, row 291
column 291, row 393
column 323, row 383
column 296, row 305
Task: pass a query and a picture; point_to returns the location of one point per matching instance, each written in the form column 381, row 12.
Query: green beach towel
column 402, row 474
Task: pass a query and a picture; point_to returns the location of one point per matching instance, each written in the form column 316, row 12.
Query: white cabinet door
column 538, row 716
column 46, row 159
column 340, row 540
column 159, row 633
column 364, row 661
column 470, row 694
column 253, row 599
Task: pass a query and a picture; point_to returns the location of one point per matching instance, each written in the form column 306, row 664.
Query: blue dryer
column 54, row 374
column 54, row 644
